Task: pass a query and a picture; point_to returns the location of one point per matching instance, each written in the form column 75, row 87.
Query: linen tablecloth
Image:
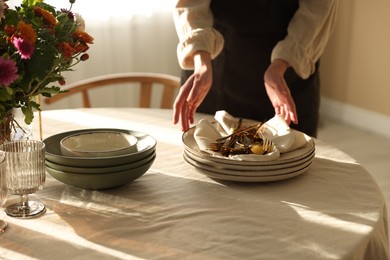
column 333, row 211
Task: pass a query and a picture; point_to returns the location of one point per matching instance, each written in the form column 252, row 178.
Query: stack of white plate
column 99, row 172
column 288, row 165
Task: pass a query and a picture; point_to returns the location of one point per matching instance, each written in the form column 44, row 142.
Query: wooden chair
column 146, row 81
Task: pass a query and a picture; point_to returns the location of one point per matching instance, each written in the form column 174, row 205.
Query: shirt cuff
column 207, row 39
column 296, row 57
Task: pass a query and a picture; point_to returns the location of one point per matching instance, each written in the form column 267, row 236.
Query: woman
column 252, row 58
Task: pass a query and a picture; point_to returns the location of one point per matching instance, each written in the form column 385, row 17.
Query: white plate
column 296, row 155
column 248, row 173
column 246, row 167
column 98, row 144
column 226, row 177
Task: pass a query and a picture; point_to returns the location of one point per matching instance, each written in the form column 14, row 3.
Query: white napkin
column 227, row 121
column 285, row 139
column 276, row 129
column 205, row 134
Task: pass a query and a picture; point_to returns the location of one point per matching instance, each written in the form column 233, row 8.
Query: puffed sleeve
column 193, row 22
column 308, row 34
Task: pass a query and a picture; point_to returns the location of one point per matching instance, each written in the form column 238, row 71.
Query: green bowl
column 146, row 145
column 100, row 181
column 99, row 170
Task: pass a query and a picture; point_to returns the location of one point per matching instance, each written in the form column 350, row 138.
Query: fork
column 268, row 145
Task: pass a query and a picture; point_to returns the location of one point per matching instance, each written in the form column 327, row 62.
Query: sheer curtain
column 130, row 35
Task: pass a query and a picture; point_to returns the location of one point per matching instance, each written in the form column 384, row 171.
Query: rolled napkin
column 205, row 134
column 276, row 129
column 285, row 139
column 227, row 121
column 300, row 140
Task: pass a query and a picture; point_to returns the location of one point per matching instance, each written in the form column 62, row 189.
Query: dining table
column 334, row 210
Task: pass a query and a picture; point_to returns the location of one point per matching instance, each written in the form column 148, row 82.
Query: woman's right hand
column 278, row 91
column 193, row 91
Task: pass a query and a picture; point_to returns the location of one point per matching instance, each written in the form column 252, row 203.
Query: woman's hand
column 278, row 91
column 193, row 91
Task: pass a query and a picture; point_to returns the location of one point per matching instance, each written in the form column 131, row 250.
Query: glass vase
column 3, row 188
column 13, row 127
column 6, row 127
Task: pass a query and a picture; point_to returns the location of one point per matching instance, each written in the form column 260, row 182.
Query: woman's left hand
column 278, row 91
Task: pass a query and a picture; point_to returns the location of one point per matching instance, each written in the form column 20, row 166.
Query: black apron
column 251, row 29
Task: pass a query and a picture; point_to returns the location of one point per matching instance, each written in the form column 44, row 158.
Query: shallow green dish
column 100, row 181
column 99, row 170
column 146, row 146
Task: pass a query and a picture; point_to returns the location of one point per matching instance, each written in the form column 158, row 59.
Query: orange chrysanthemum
column 81, row 47
column 83, row 37
column 46, row 15
column 66, row 49
column 9, row 30
column 27, row 32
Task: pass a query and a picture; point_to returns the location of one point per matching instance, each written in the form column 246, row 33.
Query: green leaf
column 28, row 114
column 48, row 7
column 12, row 17
column 6, row 94
column 9, row 90
column 35, row 105
column 40, row 64
column 49, row 91
column 31, row 2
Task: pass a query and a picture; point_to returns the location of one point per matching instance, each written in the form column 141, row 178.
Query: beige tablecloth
column 333, row 211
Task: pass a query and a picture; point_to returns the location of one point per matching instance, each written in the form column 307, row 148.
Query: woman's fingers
column 189, row 98
column 179, row 106
column 278, row 91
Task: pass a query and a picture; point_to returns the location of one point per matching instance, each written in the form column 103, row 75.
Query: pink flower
column 8, row 72
column 25, row 48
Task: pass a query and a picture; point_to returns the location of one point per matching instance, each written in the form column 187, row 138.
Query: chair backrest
column 146, row 80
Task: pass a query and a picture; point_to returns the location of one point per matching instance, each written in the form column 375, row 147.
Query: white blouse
column 308, row 33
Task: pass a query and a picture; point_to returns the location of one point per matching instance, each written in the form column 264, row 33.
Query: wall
column 355, row 66
column 141, row 38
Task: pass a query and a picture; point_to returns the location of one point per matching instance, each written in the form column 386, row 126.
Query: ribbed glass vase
column 13, row 127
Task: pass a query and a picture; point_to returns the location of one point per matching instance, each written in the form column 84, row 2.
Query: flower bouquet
column 37, row 44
